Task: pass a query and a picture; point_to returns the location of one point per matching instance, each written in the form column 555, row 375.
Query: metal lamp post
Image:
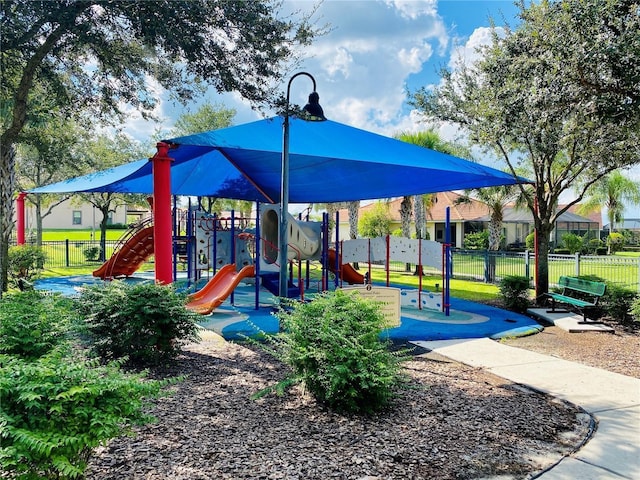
column 315, row 113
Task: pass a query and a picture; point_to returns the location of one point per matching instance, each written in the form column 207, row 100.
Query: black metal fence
column 481, row 265
column 75, row 253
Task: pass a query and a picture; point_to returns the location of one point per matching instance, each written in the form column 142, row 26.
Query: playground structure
column 224, row 252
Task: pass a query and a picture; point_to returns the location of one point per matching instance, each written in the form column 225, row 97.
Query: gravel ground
column 454, row 422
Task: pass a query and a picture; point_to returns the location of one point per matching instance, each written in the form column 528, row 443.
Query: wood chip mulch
column 451, row 422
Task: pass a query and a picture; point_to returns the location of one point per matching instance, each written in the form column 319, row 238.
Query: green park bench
column 580, row 293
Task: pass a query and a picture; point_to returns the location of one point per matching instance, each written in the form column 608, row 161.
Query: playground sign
column 387, row 297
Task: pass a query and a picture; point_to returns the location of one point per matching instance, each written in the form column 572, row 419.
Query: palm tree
column 612, row 192
column 423, row 203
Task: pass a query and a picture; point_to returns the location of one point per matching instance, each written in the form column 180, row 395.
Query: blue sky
column 375, row 51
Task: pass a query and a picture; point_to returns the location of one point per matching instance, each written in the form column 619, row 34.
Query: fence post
column 66, row 251
column 577, row 267
column 527, row 267
column 486, row 266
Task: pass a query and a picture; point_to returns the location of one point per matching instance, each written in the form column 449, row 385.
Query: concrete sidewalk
column 613, row 452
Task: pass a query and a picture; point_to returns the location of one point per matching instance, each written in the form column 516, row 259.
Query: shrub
column 55, row 410
column 572, row 242
column 514, row 291
column 476, row 241
column 617, row 302
column 92, row 253
column 375, row 222
column 146, row 322
column 32, row 324
column 25, row 262
column 594, row 245
column 333, row 346
column 530, row 241
column 615, row 241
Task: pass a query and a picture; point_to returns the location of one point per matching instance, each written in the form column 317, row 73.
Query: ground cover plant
column 56, row 404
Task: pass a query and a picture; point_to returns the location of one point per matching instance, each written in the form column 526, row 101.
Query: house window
column 77, row 217
column 110, row 218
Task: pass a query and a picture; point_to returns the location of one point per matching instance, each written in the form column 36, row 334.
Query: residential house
column 472, row 216
column 72, row 215
column 461, row 217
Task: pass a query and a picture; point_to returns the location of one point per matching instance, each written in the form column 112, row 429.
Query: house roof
column 458, row 212
column 475, row 210
column 511, row 215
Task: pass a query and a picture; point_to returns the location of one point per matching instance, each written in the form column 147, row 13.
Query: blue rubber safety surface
column 235, row 321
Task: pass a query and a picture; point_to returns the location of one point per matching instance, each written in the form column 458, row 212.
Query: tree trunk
column 420, row 219
column 353, row 223
column 38, row 205
column 103, row 233
column 406, row 208
column 542, row 264
column 7, row 187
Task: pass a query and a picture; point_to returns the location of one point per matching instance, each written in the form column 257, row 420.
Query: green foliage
column 572, row 242
column 476, row 241
column 618, row 302
column 92, row 253
column 615, row 242
column 146, row 322
column 54, row 410
column 333, row 346
column 514, row 290
column 375, row 222
column 25, row 262
column 32, row 324
column 530, row 241
column 593, row 246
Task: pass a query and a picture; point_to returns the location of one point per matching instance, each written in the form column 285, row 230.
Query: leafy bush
column 333, row 346
column 92, row 253
column 54, row 410
column 514, row 291
column 530, row 241
column 618, row 302
column 146, row 322
column 572, row 242
column 476, row 241
column 615, row 241
column 32, row 324
column 375, row 222
column 25, row 262
column 594, row 245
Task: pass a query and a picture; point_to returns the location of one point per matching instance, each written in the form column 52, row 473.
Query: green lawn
column 50, row 235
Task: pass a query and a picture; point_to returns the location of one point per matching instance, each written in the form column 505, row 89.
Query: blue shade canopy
column 328, row 162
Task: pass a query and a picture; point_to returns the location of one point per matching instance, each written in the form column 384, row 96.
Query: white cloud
column 361, row 66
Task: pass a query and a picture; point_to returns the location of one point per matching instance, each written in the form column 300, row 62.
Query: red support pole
column 20, row 225
column 162, row 225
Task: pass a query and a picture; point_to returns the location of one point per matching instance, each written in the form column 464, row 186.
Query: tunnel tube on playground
column 304, row 238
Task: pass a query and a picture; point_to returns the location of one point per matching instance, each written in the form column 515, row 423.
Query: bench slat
column 571, row 300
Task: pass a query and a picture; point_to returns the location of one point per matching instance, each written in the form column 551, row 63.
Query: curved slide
column 347, row 272
column 129, row 257
column 211, row 296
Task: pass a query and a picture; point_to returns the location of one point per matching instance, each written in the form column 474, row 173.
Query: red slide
column 129, row 257
column 211, row 296
column 347, row 272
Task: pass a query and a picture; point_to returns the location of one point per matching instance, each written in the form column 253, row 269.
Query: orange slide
column 129, row 257
column 347, row 272
column 211, row 296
